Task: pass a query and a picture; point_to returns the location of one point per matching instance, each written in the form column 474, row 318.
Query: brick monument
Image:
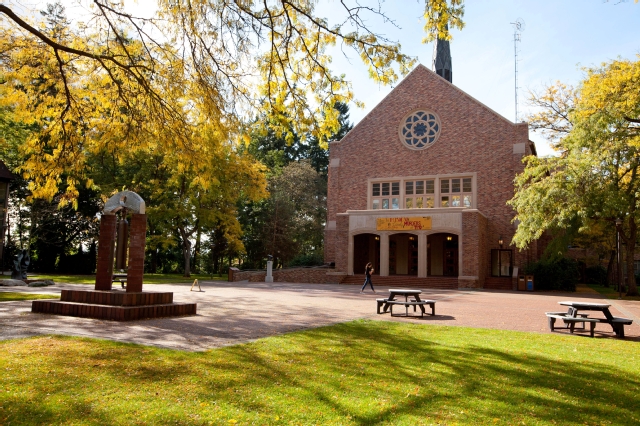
column 104, row 302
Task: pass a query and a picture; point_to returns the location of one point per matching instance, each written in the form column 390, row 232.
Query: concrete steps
column 115, row 313
column 114, row 305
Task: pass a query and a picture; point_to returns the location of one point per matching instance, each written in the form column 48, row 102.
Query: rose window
column 420, row 130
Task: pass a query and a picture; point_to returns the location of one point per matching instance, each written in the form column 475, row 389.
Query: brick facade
column 474, row 263
column 474, row 140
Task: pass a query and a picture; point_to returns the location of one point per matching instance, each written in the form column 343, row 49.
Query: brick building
column 419, row 188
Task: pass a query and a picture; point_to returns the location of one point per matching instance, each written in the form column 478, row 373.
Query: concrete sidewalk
column 233, row 313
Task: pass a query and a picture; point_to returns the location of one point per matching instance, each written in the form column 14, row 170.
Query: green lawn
column 148, row 278
column 356, row 373
column 7, row 296
column 611, row 292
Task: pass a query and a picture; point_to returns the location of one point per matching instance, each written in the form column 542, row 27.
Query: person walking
column 368, row 270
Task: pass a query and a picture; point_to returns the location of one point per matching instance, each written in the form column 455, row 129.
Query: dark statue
column 20, row 266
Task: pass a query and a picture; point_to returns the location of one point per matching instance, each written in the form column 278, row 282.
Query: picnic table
column 387, row 303
column 121, row 278
column 572, row 317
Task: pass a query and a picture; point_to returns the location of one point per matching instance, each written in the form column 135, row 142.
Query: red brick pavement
column 232, row 313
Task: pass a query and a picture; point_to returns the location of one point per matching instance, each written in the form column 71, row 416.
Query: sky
column 559, row 39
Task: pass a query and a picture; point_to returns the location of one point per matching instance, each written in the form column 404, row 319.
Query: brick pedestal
column 114, row 305
column 137, row 239
column 106, row 244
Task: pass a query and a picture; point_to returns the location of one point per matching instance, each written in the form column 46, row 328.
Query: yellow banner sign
column 403, row 223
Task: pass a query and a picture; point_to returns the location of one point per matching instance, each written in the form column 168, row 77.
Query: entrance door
column 442, row 255
column 366, row 248
column 403, row 254
column 450, row 267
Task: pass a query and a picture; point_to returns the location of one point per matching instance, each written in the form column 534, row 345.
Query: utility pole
column 518, row 27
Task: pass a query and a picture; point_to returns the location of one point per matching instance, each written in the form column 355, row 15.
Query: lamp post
column 618, row 263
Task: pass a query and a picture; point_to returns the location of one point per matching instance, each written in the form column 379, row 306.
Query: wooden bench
column 566, row 314
column 413, row 303
column 381, row 302
column 571, row 321
column 617, row 323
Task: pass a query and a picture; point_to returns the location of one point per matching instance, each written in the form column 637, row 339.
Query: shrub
column 312, row 259
column 596, row 275
column 560, row 274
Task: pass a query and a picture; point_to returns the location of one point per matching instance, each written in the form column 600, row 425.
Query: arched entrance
column 403, row 254
column 442, row 255
column 366, row 248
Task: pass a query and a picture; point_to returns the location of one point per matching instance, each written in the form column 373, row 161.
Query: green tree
column 290, row 223
column 597, row 175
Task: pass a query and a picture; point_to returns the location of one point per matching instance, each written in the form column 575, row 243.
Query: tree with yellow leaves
column 118, row 78
column 597, row 175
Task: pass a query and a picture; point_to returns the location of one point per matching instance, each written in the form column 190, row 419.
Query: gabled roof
column 442, row 80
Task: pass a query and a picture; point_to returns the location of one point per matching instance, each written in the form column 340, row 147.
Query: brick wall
column 473, row 139
column 474, row 249
column 293, row 275
column 106, row 244
column 470, row 244
column 483, row 252
column 342, row 243
column 329, row 246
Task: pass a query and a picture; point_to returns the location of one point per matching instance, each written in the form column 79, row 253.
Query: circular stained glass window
column 420, row 129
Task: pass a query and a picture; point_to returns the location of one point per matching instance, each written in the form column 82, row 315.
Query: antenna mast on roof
column 518, row 27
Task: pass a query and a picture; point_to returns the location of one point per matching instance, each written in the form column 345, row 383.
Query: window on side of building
column 501, row 262
column 419, row 194
column 444, row 191
column 385, row 195
column 456, row 192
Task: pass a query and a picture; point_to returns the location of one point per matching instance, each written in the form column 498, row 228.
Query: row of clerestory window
column 421, row 193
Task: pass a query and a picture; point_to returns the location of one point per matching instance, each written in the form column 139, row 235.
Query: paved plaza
column 233, row 313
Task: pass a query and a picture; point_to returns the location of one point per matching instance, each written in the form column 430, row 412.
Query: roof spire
column 442, row 59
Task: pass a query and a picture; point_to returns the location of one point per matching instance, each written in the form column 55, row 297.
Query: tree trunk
column 632, row 288
column 196, row 250
column 611, row 273
column 186, row 253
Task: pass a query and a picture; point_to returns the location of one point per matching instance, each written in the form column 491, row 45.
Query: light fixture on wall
column 412, row 238
column 500, row 241
column 449, row 238
column 377, row 238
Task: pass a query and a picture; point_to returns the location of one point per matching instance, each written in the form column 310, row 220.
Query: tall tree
column 289, row 223
column 597, row 175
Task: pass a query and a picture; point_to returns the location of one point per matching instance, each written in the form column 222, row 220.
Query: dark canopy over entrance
column 442, row 255
column 366, row 248
column 403, row 254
